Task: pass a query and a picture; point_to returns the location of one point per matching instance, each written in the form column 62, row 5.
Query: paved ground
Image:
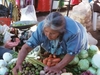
column 42, row 15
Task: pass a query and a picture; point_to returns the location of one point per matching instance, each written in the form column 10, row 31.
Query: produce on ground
column 88, row 63
column 31, row 67
column 7, row 56
column 81, row 65
column 52, row 60
column 27, row 69
column 87, row 73
column 93, row 49
column 4, row 63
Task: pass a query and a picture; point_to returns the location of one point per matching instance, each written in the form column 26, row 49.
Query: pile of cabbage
column 8, row 59
column 88, row 60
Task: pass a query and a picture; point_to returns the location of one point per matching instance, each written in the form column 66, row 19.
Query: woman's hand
column 54, row 69
column 16, row 69
column 58, row 67
column 9, row 44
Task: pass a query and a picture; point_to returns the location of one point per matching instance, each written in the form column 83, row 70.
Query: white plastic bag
column 7, row 36
column 91, row 39
column 28, row 13
column 4, row 30
column 82, row 13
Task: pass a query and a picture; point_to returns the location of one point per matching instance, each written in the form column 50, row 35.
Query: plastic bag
column 4, row 30
column 7, row 36
column 28, row 13
column 4, row 11
column 82, row 13
column 91, row 39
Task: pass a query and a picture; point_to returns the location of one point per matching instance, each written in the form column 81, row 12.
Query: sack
column 96, row 6
column 91, row 39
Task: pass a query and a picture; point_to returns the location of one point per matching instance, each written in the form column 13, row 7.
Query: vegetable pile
column 8, row 59
column 52, row 60
column 87, row 62
column 27, row 69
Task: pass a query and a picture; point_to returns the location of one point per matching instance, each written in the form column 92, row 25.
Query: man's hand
column 9, row 44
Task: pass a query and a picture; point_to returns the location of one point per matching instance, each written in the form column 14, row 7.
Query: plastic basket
column 4, row 20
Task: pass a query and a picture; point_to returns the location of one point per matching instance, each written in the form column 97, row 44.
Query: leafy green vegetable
column 89, row 59
column 93, row 50
column 83, row 64
column 74, row 61
column 92, row 70
column 83, row 54
column 96, row 61
column 98, row 71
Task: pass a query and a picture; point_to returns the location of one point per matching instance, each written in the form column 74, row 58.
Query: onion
column 42, row 72
column 46, row 68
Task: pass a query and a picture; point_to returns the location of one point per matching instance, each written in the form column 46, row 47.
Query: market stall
column 85, row 63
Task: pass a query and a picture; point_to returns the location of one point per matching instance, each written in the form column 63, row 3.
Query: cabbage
column 3, row 70
column 74, row 61
column 83, row 64
column 7, row 56
column 83, row 54
column 93, row 50
column 98, row 71
column 92, row 70
column 89, row 59
column 13, row 61
column 3, row 63
column 96, row 61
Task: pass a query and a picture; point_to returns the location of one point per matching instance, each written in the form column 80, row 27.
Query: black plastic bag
column 4, row 11
column 1, row 39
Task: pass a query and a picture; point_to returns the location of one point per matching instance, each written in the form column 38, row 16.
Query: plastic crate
column 4, row 20
column 44, row 5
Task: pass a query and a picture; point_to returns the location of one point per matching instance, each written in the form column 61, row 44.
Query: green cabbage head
column 83, row 64
column 74, row 61
column 83, row 54
column 92, row 50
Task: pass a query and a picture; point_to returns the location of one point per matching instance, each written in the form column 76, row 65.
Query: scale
column 23, row 30
column 23, row 24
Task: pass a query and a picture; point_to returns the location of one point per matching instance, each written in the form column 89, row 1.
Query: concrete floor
column 95, row 34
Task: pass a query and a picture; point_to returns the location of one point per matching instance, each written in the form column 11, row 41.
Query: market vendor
column 58, row 35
